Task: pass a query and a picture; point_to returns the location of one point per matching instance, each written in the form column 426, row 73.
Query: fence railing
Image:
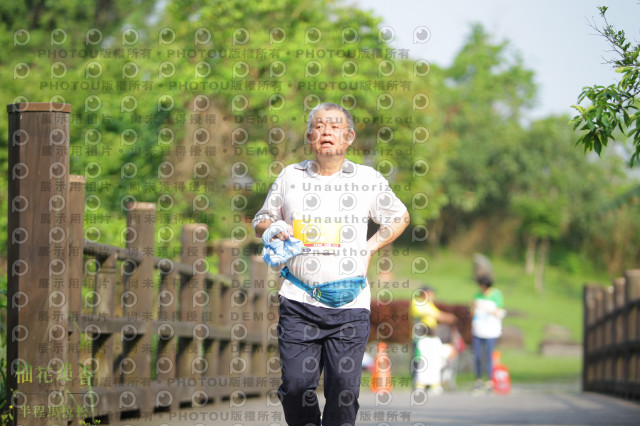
column 103, row 332
column 611, row 340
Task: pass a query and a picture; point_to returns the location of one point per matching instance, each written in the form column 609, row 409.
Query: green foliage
column 614, row 107
column 463, row 158
column 252, row 67
column 541, row 217
column 574, row 263
column 501, row 172
column 487, row 90
column 553, row 183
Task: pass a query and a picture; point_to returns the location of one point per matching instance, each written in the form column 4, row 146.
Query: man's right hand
column 263, row 226
column 285, row 234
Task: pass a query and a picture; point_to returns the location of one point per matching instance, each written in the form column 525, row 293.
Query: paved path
column 540, row 405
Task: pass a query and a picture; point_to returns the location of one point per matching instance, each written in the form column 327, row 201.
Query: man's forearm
column 447, row 318
column 387, row 234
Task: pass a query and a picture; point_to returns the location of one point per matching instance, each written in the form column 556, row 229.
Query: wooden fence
column 97, row 332
column 611, row 340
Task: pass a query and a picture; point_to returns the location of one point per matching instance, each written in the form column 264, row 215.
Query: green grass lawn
column 560, row 303
column 532, row 367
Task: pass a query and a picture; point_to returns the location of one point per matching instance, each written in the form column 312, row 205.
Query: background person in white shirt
column 486, row 328
column 327, row 204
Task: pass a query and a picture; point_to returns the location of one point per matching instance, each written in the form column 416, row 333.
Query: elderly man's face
column 330, row 134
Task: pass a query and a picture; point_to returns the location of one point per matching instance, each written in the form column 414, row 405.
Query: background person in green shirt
column 486, row 327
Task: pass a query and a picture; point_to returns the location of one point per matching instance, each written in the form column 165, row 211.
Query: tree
column 489, row 89
column 484, row 94
column 614, row 106
column 50, row 44
column 214, row 101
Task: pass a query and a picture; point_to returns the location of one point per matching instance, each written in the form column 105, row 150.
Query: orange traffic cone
column 381, row 376
column 500, row 375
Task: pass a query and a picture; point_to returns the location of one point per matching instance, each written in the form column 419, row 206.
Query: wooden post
column 632, row 332
column 633, row 293
column 618, row 334
column 38, row 258
column 259, row 280
column 76, row 266
column 231, row 266
column 588, row 339
column 168, row 311
column 138, row 302
column 266, row 362
column 212, row 346
column 619, row 302
column 609, row 334
column 273, row 281
column 599, row 312
column 193, row 297
column 102, row 349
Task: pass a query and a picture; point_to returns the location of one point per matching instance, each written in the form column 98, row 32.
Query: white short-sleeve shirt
column 330, row 215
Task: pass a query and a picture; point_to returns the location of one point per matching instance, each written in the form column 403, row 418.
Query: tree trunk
column 530, row 256
column 542, row 261
column 435, row 232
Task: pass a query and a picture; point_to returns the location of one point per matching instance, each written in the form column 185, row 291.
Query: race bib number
column 318, row 236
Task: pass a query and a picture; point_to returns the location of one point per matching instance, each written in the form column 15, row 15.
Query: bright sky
column 553, row 37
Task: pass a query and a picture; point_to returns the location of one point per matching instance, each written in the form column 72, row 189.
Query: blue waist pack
column 333, row 293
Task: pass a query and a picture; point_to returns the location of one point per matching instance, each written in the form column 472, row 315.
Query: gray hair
column 328, row 106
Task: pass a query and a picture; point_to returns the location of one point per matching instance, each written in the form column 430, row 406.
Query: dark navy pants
column 312, row 339
column 483, row 347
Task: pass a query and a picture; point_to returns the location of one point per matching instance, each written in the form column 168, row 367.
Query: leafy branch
column 613, row 106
